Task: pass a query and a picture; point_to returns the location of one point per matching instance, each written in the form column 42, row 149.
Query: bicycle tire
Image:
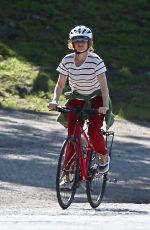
column 65, row 197
column 96, row 184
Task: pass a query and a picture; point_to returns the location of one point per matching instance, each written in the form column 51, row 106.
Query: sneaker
column 104, row 161
column 65, row 183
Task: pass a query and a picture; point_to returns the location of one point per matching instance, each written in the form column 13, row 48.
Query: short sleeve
column 100, row 67
column 62, row 68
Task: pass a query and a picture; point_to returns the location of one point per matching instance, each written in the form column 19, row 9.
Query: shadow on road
column 29, row 147
column 126, row 211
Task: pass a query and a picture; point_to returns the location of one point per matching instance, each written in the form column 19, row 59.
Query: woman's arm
column 105, row 93
column 58, row 91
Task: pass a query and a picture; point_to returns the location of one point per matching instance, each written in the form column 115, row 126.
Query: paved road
column 81, row 217
column 29, row 147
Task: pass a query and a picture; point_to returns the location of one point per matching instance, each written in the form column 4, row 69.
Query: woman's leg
column 72, row 117
column 95, row 124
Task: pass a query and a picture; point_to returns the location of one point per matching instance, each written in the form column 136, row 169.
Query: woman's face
column 80, row 46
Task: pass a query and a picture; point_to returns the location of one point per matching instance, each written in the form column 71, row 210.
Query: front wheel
column 67, row 165
column 95, row 186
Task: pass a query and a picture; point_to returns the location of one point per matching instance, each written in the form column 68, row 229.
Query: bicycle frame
column 84, row 163
column 72, row 161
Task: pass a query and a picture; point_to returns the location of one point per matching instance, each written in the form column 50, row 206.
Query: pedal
column 65, row 189
column 114, row 180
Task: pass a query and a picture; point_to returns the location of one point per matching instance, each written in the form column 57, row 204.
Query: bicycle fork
column 84, row 162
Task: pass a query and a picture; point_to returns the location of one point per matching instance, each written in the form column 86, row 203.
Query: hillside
column 33, row 40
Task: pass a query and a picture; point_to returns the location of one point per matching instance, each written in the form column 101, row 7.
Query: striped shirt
column 83, row 78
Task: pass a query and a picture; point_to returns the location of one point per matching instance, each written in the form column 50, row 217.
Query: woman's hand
column 103, row 110
column 52, row 105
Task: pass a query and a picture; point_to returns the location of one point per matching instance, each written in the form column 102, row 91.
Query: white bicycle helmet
column 80, row 33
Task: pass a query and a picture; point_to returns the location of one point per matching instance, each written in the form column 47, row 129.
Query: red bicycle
column 83, row 165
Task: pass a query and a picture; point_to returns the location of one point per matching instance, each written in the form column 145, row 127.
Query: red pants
column 95, row 123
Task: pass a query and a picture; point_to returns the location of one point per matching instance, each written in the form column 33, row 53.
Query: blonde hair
column 90, row 44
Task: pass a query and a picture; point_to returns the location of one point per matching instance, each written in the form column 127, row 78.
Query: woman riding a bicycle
column 85, row 71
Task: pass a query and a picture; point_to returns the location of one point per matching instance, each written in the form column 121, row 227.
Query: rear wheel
column 70, row 167
column 95, row 186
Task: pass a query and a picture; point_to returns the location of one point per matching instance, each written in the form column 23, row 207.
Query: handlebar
column 77, row 110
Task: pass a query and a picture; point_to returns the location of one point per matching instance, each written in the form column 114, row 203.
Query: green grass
column 33, row 40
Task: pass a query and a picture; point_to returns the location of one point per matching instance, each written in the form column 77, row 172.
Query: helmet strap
column 77, row 52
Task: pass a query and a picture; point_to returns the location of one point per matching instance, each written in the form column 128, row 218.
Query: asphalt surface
column 29, row 149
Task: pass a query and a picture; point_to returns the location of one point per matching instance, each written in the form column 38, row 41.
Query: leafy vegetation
column 33, row 40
